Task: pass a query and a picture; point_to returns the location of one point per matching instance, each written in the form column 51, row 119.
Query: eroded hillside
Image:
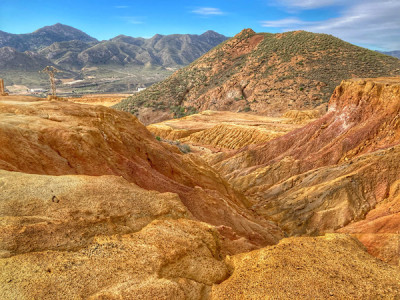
column 63, row 138
column 335, row 171
column 93, row 206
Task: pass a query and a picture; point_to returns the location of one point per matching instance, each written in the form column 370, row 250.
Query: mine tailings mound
column 334, row 172
column 262, row 73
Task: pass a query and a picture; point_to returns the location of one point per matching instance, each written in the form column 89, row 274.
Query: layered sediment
column 224, row 130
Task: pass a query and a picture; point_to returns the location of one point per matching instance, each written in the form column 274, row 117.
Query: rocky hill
column 263, row 73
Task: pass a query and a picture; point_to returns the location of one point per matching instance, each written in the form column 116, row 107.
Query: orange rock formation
column 63, row 138
column 41, row 212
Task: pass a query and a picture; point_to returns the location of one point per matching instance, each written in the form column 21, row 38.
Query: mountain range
column 73, row 52
column 395, row 53
column 261, row 72
column 166, row 51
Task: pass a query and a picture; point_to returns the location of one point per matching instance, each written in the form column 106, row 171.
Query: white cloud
column 310, row 4
column 208, row 11
column 285, row 23
column 369, row 22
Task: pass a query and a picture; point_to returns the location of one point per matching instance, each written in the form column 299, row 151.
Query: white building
column 37, row 91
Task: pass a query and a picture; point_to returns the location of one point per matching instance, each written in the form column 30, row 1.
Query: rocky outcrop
column 380, row 229
column 326, row 198
column 362, row 118
column 65, row 213
column 333, row 266
column 169, row 259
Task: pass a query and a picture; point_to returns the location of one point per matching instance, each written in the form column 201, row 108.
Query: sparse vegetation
column 279, row 61
column 185, row 148
column 247, row 108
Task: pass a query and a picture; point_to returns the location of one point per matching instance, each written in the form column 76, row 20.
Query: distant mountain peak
column 211, row 35
column 121, row 36
column 59, row 25
column 211, row 32
column 69, row 32
column 43, row 37
column 157, row 36
column 55, row 27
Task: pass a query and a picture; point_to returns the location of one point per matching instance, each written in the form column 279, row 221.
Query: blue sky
column 370, row 23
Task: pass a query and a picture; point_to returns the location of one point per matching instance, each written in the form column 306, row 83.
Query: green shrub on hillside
column 289, row 62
